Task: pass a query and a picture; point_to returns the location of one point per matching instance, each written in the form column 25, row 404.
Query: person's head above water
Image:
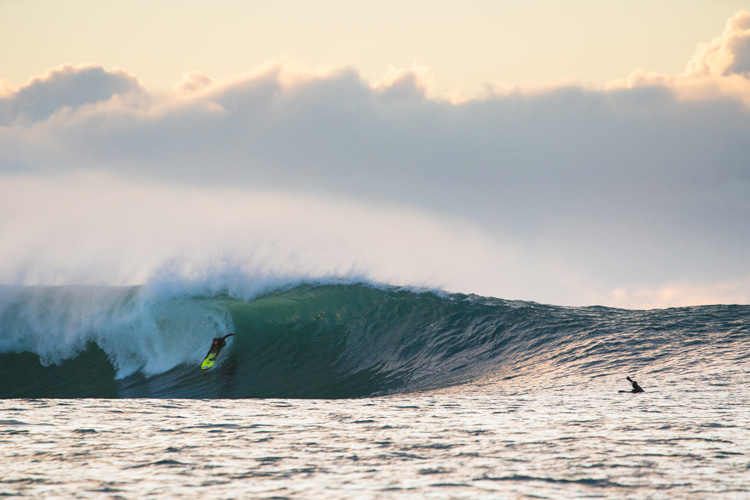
column 636, row 387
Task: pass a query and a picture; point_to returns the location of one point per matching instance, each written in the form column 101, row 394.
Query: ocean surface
column 363, row 391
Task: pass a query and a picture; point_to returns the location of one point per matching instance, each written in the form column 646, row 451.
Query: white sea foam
column 148, row 334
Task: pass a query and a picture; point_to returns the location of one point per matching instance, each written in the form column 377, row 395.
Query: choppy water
column 682, row 441
column 355, row 391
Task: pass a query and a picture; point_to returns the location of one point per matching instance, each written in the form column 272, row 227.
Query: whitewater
column 345, row 389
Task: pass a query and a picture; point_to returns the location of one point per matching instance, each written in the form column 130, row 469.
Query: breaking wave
column 333, row 341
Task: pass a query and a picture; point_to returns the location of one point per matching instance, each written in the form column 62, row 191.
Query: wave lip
column 333, row 341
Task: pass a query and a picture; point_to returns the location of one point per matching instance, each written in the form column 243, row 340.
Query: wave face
column 335, row 341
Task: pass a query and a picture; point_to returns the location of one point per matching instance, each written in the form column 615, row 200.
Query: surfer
column 636, row 388
column 216, row 346
column 219, row 343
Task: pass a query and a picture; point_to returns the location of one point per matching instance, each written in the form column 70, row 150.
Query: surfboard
column 210, row 360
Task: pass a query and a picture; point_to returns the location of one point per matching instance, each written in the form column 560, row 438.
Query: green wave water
column 334, row 341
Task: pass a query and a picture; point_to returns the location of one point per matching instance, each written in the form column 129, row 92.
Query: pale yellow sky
column 465, row 44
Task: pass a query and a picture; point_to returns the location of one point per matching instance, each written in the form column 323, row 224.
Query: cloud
column 412, row 83
column 718, row 69
column 735, row 291
column 191, row 83
column 727, row 54
column 67, row 86
column 6, row 88
column 580, row 191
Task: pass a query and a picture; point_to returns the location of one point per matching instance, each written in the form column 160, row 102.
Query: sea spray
column 139, row 332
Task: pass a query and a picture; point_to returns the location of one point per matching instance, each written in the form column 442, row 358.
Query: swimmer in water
column 636, row 388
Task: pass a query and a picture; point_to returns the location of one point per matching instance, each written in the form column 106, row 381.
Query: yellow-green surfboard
column 210, row 360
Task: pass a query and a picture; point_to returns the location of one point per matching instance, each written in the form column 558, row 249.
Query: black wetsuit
column 218, row 344
column 636, row 388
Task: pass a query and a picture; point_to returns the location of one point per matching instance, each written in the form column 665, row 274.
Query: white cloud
column 630, row 187
column 411, row 83
column 191, row 83
column 679, row 294
column 726, row 54
column 718, row 69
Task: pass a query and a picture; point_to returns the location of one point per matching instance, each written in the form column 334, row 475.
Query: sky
column 465, row 44
column 573, row 152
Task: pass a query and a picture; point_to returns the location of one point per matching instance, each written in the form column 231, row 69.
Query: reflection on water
column 672, row 442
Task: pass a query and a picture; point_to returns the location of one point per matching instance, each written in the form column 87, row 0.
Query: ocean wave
column 331, row 340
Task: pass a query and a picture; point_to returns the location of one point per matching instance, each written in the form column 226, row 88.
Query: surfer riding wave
column 216, row 346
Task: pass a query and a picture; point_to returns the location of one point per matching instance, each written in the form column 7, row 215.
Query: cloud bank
column 635, row 195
